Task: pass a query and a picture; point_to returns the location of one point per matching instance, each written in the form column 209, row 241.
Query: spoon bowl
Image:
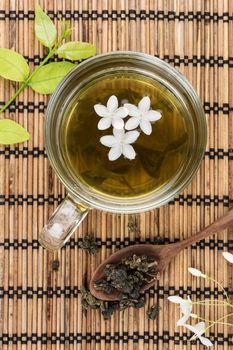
column 163, row 254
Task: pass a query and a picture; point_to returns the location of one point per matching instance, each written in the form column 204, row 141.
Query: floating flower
column 142, row 116
column 196, row 272
column 228, row 256
column 185, row 306
column 198, row 330
column 120, row 143
column 111, row 114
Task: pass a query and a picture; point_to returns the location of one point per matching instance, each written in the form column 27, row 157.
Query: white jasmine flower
column 185, row 306
column 142, row 116
column 111, row 114
column 228, row 256
column 196, row 272
column 198, row 330
column 120, row 143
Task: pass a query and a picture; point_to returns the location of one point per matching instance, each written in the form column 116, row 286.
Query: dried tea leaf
column 89, row 244
column 46, row 79
column 88, row 300
column 11, row 132
column 55, row 265
column 153, row 312
column 108, row 308
column 76, row 50
column 13, row 66
column 45, row 30
column 133, row 225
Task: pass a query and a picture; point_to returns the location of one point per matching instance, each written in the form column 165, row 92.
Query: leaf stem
column 25, row 83
column 221, row 286
column 211, row 321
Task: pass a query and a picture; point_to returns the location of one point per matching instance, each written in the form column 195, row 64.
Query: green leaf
column 76, row 50
column 11, row 132
column 49, row 76
column 45, row 30
column 12, row 65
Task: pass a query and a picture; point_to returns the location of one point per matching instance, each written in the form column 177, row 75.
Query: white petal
column 104, row 123
column 132, row 110
column 115, row 152
column 175, row 299
column 112, row 104
column 108, row 140
column 153, row 116
column 196, row 272
column 132, row 123
column 128, row 151
column 205, row 341
column 183, row 319
column 144, row 104
column 118, row 133
column 118, row 123
column 191, row 328
column 131, row 136
column 101, row 110
column 199, row 328
column 146, row 127
column 186, row 307
column 121, row 112
column 228, row 256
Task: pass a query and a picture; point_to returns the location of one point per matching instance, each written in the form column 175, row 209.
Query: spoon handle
column 220, row 224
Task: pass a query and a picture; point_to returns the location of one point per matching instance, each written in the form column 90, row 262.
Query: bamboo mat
column 41, row 308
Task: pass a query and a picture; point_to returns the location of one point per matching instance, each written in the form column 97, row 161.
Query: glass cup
column 80, row 199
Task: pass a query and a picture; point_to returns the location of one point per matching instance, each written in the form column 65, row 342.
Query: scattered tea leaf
column 49, row 76
column 45, row 30
column 108, row 308
column 89, row 244
column 55, row 265
column 11, row 132
column 88, row 300
column 153, row 312
column 133, row 225
column 76, row 50
column 13, row 66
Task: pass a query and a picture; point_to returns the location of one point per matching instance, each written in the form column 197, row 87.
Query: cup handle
column 63, row 222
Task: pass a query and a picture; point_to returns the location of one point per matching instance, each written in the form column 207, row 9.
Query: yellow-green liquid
column 160, row 156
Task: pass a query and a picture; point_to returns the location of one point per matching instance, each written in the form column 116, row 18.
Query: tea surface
column 159, row 156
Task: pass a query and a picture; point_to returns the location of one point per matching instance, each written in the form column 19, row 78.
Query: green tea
column 160, row 156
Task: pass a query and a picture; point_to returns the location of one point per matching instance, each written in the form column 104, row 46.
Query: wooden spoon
column 163, row 254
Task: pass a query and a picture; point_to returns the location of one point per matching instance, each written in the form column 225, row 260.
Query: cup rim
column 94, row 200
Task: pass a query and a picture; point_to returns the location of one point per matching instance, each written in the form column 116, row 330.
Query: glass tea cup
column 81, row 198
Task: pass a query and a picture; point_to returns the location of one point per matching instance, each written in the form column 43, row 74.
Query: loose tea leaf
column 133, row 225
column 89, row 244
column 45, row 30
column 11, row 132
column 55, row 265
column 13, row 66
column 76, row 50
column 88, row 300
column 108, row 308
column 127, row 278
column 49, row 76
column 153, row 312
